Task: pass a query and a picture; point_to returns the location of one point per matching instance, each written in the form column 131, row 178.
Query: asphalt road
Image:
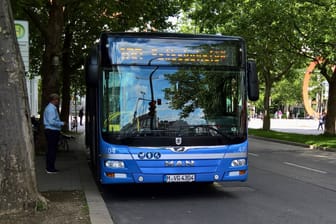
column 287, row 184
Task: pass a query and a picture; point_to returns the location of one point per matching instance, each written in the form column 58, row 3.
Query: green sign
column 22, row 35
column 20, row 31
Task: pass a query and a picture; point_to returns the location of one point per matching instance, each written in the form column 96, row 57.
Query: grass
column 322, row 141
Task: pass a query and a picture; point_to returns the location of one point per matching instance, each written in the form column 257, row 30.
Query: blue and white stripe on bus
column 179, row 156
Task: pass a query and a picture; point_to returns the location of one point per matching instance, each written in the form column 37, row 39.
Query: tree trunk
column 17, row 169
column 51, row 60
column 267, row 118
column 66, row 76
column 331, row 109
column 53, row 51
column 65, row 97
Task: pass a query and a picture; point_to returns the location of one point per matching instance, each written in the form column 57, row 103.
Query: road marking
column 232, row 189
column 320, row 156
column 306, row 168
column 253, row 154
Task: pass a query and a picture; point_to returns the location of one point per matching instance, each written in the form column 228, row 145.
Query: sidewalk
column 300, row 126
column 74, row 175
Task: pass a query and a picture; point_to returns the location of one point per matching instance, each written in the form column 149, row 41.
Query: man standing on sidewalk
column 81, row 114
column 52, row 128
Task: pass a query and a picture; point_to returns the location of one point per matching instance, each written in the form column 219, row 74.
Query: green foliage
column 84, row 21
column 282, row 36
column 289, row 91
column 261, row 24
column 313, row 28
column 41, row 205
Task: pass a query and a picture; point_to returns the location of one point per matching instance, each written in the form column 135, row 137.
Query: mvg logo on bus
column 179, row 163
column 149, row 155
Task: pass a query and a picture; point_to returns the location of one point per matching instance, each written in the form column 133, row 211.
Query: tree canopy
column 64, row 31
column 67, row 29
column 281, row 36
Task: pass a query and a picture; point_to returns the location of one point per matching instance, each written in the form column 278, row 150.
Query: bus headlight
column 238, row 162
column 114, row 164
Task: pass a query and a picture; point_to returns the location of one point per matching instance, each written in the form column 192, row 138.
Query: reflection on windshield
column 162, row 101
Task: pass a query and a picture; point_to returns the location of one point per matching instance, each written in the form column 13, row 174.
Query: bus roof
column 172, row 35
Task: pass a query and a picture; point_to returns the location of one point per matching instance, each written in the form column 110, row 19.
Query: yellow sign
column 212, row 56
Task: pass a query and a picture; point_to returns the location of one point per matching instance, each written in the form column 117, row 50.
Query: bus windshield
column 162, row 101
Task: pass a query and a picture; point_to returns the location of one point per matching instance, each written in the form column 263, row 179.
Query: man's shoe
column 52, row 171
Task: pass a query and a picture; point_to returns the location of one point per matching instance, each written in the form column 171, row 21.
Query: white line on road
column 306, row 168
column 253, row 154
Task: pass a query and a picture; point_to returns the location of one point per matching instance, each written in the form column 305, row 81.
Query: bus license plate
column 180, row 178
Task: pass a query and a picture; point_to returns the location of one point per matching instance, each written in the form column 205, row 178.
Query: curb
column 313, row 147
column 98, row 211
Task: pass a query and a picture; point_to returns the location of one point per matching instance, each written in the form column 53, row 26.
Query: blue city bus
column 165, row 108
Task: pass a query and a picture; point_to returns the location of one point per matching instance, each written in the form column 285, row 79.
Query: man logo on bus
column 179, row 149
column 178, row 141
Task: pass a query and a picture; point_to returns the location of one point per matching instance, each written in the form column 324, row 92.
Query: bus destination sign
column 136, row 51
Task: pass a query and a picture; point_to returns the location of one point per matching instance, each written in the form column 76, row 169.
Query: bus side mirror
column 252, row 81
column 92, row 67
